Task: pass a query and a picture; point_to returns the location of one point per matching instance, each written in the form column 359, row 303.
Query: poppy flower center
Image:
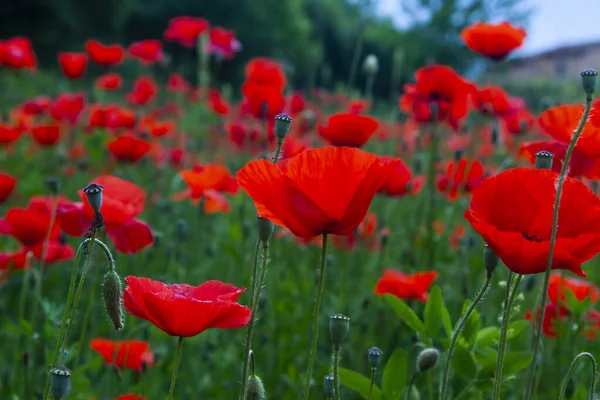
column 531, row 238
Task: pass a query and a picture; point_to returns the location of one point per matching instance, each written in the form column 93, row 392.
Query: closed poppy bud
column 589, row 81
column 265, row 229
column 93, row 192
column 543, row 160
column 427, row 359
column 112, row 292
column 328, row 385
column 52, row 185
column 371, row 64
column 60, row 382
column 282, row 125
column 339, row 325
column 374, row 355
column 256, row 389
column 490, row 259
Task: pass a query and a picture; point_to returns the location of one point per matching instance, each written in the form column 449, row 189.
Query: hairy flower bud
column 256, row 389
column 427, row 359
column 490, row 259
column 112, row 292
column 265, row 229
column 60, row 382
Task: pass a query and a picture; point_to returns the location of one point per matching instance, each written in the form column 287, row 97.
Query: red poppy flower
column 7, row 185
column 144, row 91
column 208, row 183
column 111, row 117
column 223, row 43
column 492, row 100
column 456, row 177
column 217, row 103
column 109, row 81
column 442, row 86
column 122, row 202
column 127, row 148
column 177, row 83
column 265, row 71
column 46, row 135
column 350, row 130
column 560, row 122
column 550, row 318
column 9, row 134
column 241, row 135
column 405, row 286
column 579, row 164
column 130, row 354
column 357, row 106
column 513, row 213
column 263, row 101
column 105, row 55
column 400, row 180
column 297, row 103
column 17, row 53
column 184, row 310
column 131, row 397
column 36, row 106
column 148, row 51
column 73, row 65
column 29, row 226
column 518, row 119
column 185, row 30
column 494, row 41
column 579, row 288
column 325, row 190
column 68, row 107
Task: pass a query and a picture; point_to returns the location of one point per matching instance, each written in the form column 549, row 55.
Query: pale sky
column 554, row 23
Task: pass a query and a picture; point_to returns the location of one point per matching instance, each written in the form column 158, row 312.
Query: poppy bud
column 328, row 385
column 589, row 81
column 60, row 382
column 93, row 192
column 112, row 292
column 282, row 125
column 265, row 230
column 182, row 229
column 490, row 259
column 427, row 359
column 543, row 159
column 256, row 389
column 374, row 355
column 371, row 64
column 339, row 325
column 52, row 185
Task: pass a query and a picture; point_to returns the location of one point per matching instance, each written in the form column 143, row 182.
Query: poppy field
column 167, row 237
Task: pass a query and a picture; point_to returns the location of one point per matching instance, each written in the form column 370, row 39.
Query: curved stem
column 563, row 389
column 456, row 333
column 410, row 386
column 175, row 368
column 559, row 187
column 336, row 372
column 315, row 322
column 373, row 370
column 503, row 332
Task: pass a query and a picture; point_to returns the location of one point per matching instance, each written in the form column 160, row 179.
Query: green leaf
column 487, row 337
column 433, row 312
column 360, row 384
column 395, row 375
column 446, row 321
column 515, row 328
column 516, row 361
column 469, row 333
column 574, row 305
column 406, row 314
column 463, row 363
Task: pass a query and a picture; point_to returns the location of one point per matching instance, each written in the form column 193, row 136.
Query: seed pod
column 60, row 382
column 589, row 81
column 374, row 355
column 339, row 326
column 282, row 125
column 543, row 160
column 112, row 292
column 93, row 193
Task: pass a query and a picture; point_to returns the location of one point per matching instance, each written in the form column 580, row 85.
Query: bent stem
column 410, row 386
column 503, row 333
column 315, row 322
column 459, row 328
column 336, row 372
column 175, row 367
column 563, row 389
column 559, row 187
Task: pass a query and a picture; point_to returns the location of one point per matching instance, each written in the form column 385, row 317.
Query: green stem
column 373, row 371
column 175, row 368
column 355, row 58
column 315, row 322
column 410, row 386
column 570, row 371
column 429, row 247
column 336, row 373
column 544, row 290
column 456, row 333
column 277, row 150
column 503, row 333
column 86, row 317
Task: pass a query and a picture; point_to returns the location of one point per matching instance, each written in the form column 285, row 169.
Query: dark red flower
column 73, row 65
column 494, row 41
column 144, row 91
column 241, row 135
column 46, row 135
column 400, row 180
column 223, row 43
column 325, row 190
column 127, row 354
column 9, row 134
column 550, row 318
column 68, row 107
column 185, row 30
column 405, row 286
column 111, row 117
column 7, row 185
column 513, row 212
column 29, row 226
column 127, row 148
column 17, row 53
column 350, row 130
column 297, row 103
column 184, row 310
column 457, row 179
column 492, row 100
column 131, row 397
column 579, row 164
column 217, row 103
column 105, row 55
column 265, row 71
column 109, row 81
column 148, row 51
column 579, row 288
column 36, row 106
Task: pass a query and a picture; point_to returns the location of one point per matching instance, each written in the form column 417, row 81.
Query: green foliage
column 406, row 314
column 359, row 383
column 395, row 375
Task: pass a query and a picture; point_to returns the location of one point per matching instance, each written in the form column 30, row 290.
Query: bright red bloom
column 518, row 119
column 68, row 107
column 127, row 148
column 130, row 354
column 109, row 81
column 177, row 83
column 492, row 100
column 325, row 190
column 217, row 103
column 185, row 30
column 17, row 53
column 456, row 177
column 144, row 91
column 7, row 185
column 350, row 130
column 73, row 65
column 105, row 55
column 400, row 180
column 494, row 41
column 513, row 212
column 263, row 101
column 223, row 43
column 579, row 164
column 405, row 286
column 265, row 71
column 122, row 202
column 46, row 135
column 29, row 226
column 579, row 288
column 9, row 134
column 297, row 103
column 208, row 183
column 131, row 397
column 111, row 117
column 184, row 310
column 36, row 106
column 550, row 318
column 148, row 51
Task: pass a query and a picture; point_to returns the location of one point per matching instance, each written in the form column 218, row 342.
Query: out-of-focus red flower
column 9, row 134
column 46, row 135
column 560, row 122
column 131, row 397
column 513, row 212
column 148, row 51
column 183, row 310
column 550, row 318
column 122, row 202
column 208, row 183
column 297, row 103
column 177, row 84
column 127, row 354
column 29, row 226
column 105, row 55
column 73, row 65
column 518, row 119
column 263, row 101
column 217, row 103
column 7, row 185
column 405, row 286
column 36, row 106
column 157, row 128
column 292, row 146
column 491, row 100
column 109, row 81
column 127, row 148
column 494, row 41
column 265, row 71
column 17, row 53
column 357, row 106
column 242, row 135
column 325, row 190
column 400, row 180
column 350, row 130
column 111, row 117
column 67, row 107
column 144, row 91
column 456, row 177
column 579, row 164
column 185, row 30
column 579, row 288
column 223, row 43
